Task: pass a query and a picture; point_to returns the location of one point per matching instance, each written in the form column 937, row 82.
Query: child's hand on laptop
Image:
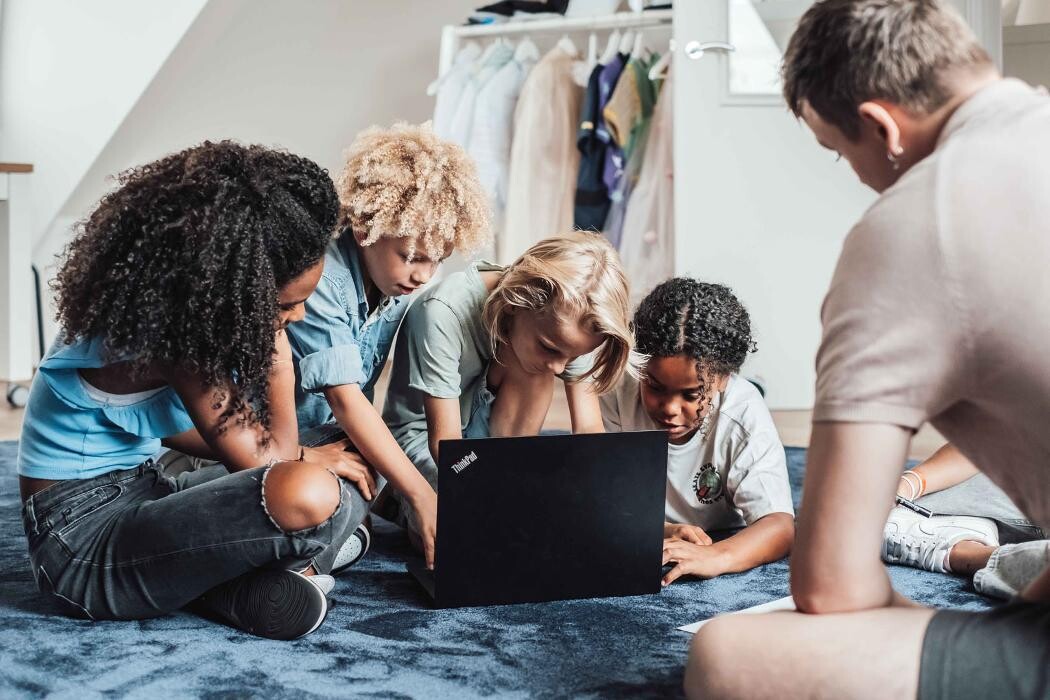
column 687, row 533
column 699, row 560
column 424, row 515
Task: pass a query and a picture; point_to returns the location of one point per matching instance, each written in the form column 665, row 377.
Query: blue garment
column 591, row 204
column 608, row 79
column 340, row 341
column 68, row 434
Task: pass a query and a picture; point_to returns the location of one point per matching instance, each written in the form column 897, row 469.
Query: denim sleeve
column 435, row 349
column 330, row 354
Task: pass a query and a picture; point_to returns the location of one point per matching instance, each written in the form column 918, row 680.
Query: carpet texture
column 381, row 640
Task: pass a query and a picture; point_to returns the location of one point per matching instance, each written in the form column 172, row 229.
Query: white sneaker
column 353, row 549
column 914, row 540
column 323, row 581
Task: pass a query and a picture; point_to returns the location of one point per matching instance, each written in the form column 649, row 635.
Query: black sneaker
column 269, row 603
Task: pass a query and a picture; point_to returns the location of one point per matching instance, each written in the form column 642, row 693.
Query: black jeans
column 135, row 543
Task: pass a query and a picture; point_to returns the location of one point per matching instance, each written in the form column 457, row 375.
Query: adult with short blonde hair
column 936, row 312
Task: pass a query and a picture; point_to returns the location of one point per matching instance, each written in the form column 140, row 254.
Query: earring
column 892, row 157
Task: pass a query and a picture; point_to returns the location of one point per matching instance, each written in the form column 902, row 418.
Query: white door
column 759, row 206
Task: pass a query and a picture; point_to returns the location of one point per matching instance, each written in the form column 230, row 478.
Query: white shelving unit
column 453, row 36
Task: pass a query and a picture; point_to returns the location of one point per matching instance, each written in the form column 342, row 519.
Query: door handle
column 696, row 49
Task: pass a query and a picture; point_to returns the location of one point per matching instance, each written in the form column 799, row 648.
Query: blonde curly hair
column 405, row 182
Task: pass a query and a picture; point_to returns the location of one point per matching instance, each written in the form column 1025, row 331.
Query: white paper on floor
column 787, row 603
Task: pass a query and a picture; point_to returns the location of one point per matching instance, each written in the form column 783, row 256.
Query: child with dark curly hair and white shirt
column 726, row 467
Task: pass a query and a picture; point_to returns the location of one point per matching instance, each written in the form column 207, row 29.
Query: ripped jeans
column 135, row 543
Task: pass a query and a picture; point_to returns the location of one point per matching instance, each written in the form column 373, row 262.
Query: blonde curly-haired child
column 408, row 199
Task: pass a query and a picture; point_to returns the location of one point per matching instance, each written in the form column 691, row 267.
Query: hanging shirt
column 730, row 473
column 493, row 124
column 610, row 78
column 544, row 160
column 492, row 59
column 592, row 199
column 450, row 89
column 630, row 107
column 627, row 117
column 647, row 243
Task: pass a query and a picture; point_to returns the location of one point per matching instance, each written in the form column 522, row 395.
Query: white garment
column 544, row 159
column 450, row 88
column 493, row 125
column 647, row 242
column 492, row 59
column 728, row 477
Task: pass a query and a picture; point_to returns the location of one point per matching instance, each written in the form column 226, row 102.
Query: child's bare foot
column 968, row 557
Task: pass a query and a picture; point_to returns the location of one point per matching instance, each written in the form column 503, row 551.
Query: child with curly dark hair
column 725, row 463
column 173, row 300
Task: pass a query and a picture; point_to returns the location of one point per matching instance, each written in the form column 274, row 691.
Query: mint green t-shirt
column 443, row 350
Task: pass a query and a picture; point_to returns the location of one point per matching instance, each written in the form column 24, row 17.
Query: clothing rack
column 452, row 36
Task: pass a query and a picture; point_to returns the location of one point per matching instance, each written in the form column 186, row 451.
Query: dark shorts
column 1002, row 653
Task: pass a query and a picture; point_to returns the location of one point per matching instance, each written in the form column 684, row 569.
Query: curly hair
column 182, row 264
column 700, row 320
column 578, row 276
column 405, row 182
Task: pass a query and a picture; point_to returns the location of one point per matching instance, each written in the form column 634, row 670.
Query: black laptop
column 550, row 517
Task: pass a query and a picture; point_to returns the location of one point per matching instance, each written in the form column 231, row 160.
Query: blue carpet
column 381, row 639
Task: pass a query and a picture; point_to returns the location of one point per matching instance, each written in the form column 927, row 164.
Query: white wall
column 69, row 72
column 759, row 206
column 1026, row 53
column 303, row 76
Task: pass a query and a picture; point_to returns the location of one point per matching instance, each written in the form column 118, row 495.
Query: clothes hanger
column 592, row 49
column 469, row 49
column 626, row 41
column 639, row 45
column 486, row 54
column 526, row 51
column 610, row 48
column 566, row 45
column 663, row 64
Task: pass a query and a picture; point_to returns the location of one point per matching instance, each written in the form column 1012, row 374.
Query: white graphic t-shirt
column 726, row 476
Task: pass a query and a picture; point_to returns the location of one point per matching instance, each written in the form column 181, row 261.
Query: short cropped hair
column 846, row 52
column 405, row 182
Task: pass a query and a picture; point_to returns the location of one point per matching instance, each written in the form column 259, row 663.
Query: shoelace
column 912, row 550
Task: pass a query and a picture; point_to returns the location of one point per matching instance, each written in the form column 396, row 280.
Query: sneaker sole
column 280, row 605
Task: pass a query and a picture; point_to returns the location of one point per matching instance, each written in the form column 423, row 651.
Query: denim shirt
column 341, row 341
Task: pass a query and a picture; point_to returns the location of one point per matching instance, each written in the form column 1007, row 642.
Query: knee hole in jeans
column 299, row 496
